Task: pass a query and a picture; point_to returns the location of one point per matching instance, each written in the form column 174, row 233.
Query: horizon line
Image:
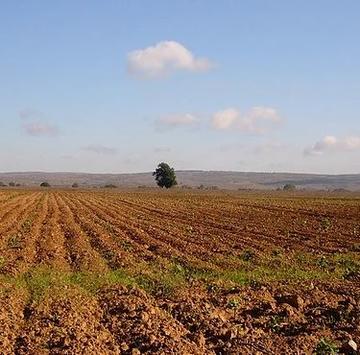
column 179, row 171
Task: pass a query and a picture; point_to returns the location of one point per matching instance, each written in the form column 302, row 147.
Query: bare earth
column 148, row 271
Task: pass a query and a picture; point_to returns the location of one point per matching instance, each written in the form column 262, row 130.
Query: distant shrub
column 201, row 187
column 2, row 184
column 75, row 185
column 110, row 186
column 17, row 185
column 289, row 187
column 341, row 190
column 45, row 184
column 12, row 184
column 213, row 187
column 186, row 187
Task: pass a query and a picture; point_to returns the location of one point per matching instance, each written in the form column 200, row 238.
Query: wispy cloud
column 257, row 120
column 100, row 149
column 177, row 120
column 29, row 113
column 333, row 144
column 162, row 150
column 269, row 147
column 67, row 157
column 163, row 59
column 38, row 129
column 229, row 147
column 35, row 124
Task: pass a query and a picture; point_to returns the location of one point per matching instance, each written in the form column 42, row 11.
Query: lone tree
column 45, row 184
column 165, row 176
column 75, row 185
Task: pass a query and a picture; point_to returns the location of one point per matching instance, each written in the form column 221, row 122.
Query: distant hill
column 221, row 179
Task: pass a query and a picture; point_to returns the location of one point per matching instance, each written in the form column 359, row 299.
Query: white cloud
column 177, row 120
column 334, row 144
column 225, row 119
column 257, row 120
column 38, row 128
column 100, row 149
column 162, row 59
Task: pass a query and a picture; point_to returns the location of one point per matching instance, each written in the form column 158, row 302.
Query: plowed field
column 159, row 272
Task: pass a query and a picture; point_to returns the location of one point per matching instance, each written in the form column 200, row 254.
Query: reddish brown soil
column 99, row 231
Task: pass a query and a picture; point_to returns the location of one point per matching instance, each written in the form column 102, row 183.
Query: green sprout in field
column 2, row 262
column 325, row 347
column 326, row 224
column 233, row 303
column 248, row 255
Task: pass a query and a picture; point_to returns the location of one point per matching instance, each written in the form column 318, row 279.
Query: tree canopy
column 165, row 175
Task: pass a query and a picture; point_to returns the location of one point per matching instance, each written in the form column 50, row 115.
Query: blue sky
column 118, row 86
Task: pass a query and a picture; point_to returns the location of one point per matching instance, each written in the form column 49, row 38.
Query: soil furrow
column 50, row 244
column 81, row 256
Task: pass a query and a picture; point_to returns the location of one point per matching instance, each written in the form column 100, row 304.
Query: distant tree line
column 289, row 187
column 11, row 184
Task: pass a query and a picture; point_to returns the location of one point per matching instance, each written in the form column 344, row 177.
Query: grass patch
column 277, row 266
column 92, row 282
column 40, row 280
column 254, row 270
column 166, row 280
